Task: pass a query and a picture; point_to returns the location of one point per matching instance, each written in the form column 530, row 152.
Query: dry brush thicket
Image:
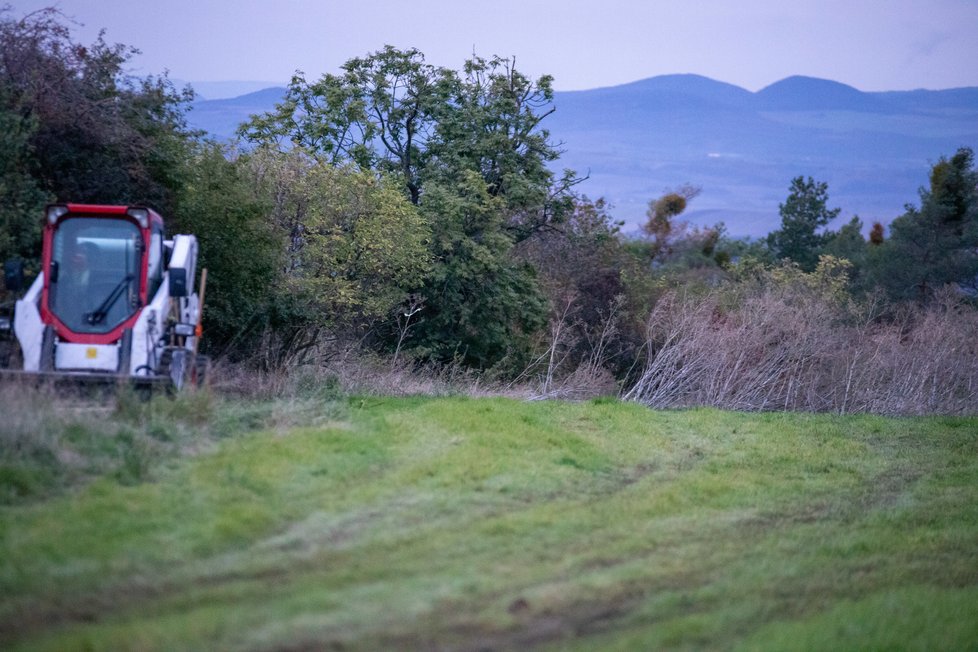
column 784, row 340
column 795, row 342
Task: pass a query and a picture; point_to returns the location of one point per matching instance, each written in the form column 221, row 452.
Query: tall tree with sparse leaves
column 379, row 113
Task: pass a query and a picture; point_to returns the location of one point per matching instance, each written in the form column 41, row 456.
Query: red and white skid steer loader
column 114, row 300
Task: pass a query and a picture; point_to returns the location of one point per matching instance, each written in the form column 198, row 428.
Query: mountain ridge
column 636, row 140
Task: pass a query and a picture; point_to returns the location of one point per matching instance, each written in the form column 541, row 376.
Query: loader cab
column 103, row 264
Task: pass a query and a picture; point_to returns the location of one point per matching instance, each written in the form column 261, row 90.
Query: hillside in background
column 742, row 148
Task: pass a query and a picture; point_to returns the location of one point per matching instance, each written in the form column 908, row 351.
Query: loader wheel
column 47, row 349
column 202, row 370
column 125, row 352
column 6, row 354
column 174, row 363
column 163, row 366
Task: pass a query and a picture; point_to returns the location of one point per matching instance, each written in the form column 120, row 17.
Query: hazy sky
column 869, row 44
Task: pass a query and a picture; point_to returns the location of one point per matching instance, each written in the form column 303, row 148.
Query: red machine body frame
column 104, row 211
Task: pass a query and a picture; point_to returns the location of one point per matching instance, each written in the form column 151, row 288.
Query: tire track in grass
column 639, row 532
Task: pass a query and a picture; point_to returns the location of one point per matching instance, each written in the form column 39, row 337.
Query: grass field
column 484, row 524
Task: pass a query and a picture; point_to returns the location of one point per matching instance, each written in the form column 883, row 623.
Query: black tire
column 47, row 350
column 6, row 354
column 125, row 353
column 202, row 370
column 174, row 362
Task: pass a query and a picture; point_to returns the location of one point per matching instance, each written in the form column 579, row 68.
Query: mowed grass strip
column 495, row 524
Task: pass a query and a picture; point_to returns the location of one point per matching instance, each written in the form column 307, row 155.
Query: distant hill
column 220, row 90
column 221, row 118
column 810, row 94
column 638, row 139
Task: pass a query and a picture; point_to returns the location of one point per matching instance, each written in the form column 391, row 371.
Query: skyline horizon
column 905, row 45
column 267, row 84
column 742, row 147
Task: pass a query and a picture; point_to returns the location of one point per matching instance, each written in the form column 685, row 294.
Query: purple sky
column 869, row 44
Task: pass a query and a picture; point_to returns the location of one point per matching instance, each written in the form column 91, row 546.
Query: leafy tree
column 936, row 244
column 379, row 114
column 482, row 303
column 355, row 248
column 79, row 128
column 299, row 251
column 221, row 203
column 363, row 245
column 21, row 198
column 393, row 113
column 849, row 244
column 803, row 214
column 469, row 151
column 492, row 126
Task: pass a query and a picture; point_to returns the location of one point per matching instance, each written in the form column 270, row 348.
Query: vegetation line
column 398, row 224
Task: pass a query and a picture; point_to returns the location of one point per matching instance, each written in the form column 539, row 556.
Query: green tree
column 379, row 114
column 492, row 127
column 354, row 248
column 223, row 206
column 849, row 244
column 299, row 252
column 937, row 243
column 21, row 199
column 392, row 112
column 482, row 304
column 364, row 246
column 470, row 152
column 78, row 128
column 803, row 214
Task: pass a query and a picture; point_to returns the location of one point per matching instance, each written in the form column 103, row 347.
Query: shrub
column 793, row 341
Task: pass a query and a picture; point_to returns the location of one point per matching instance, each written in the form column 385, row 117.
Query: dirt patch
column 33, row 617
column 532, row 629
column 887, row 489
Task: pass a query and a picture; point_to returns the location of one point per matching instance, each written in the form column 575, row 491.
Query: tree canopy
column 803, row 214
column 468, row 149
column 936, row 243
column 77, row 128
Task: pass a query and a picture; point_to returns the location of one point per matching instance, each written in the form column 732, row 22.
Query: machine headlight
column 141, row 215
column 55, row 212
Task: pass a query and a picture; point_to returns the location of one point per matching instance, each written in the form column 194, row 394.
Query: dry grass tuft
column 801, row 350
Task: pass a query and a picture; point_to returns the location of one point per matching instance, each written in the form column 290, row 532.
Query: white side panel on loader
column 148, row 331
column 28, row 325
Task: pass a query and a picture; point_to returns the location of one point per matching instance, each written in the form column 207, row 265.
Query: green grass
column 493, row 524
